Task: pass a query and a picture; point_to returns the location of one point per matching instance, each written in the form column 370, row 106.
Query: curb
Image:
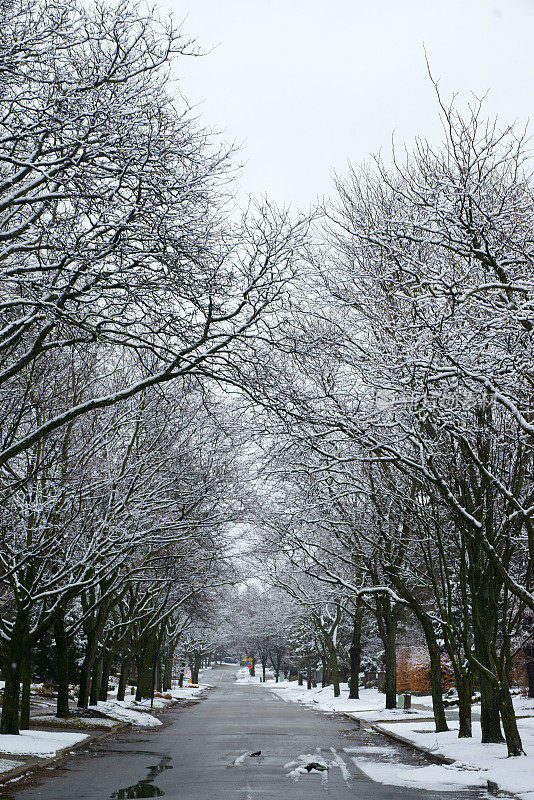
column 424, row 750
column 437, row 757
column 35, row 763
column 402, row 739
column 396, row 737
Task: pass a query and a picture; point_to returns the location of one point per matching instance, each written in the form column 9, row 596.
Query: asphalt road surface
column 202, row 753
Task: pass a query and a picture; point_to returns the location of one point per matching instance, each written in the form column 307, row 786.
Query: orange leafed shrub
column 413, row 671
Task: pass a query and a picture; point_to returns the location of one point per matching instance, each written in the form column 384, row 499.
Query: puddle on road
column 145, row 787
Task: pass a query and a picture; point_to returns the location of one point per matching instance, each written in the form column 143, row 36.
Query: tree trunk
column 144, row 668
column 11, row 673
column 325, row 677
column 167, row 674
column 436, row 684
column 62, row 666
column 96, row 678
column 334, row 669
column 26, row 677
column 464, row 686
column 104, row 678
column 86, row 669
column 390, row 657
column 509, row 723
column 489, row 711
column 195, row 667
column 355, row 652
column 485, row 594
column 308, row 675
column 159, row 674
column 529, row 664
column 123, row 680
column 10, row 703
column 386, row 618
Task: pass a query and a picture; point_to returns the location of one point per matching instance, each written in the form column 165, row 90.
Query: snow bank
column 243, row 676
column 44, row 744
column 324, row 700
column 187, row 692
column 124, row 711
column 391, row 714
column 370, row 705
column 138, row 712
column 470, row 756
column 434, row 777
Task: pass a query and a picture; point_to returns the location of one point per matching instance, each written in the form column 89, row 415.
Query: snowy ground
column 474, row 763
column 477, row 762
column 243, row 676
column 138, row 713
column 44, row 744
column 128, row 710
column 383, row 764
column 524, row 706
column 370, row 706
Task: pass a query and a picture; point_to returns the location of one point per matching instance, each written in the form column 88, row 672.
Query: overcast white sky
column 304, row 86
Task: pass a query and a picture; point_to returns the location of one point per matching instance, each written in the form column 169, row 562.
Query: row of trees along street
column 361, row 394
column 398, row 413
column 127, row 294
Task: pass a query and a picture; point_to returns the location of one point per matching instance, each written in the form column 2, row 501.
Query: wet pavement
column 203, row 753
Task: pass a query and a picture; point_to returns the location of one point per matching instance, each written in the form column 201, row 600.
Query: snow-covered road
column 204, row 753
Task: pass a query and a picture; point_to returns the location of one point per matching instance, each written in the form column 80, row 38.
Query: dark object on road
column 315, row 765
column 257, row 753
column 493, row 787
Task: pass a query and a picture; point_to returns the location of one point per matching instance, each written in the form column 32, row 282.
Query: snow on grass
column 243, row 676
column 323, row 698
column 38, row 743
column 433, row 777
column 163, row 699
column 391, row 714
column 524, row 706
column 488, row 760
column 123, row 711
column 189, row 691
column 370, row 706
column 138, row 712
column 7, row 766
